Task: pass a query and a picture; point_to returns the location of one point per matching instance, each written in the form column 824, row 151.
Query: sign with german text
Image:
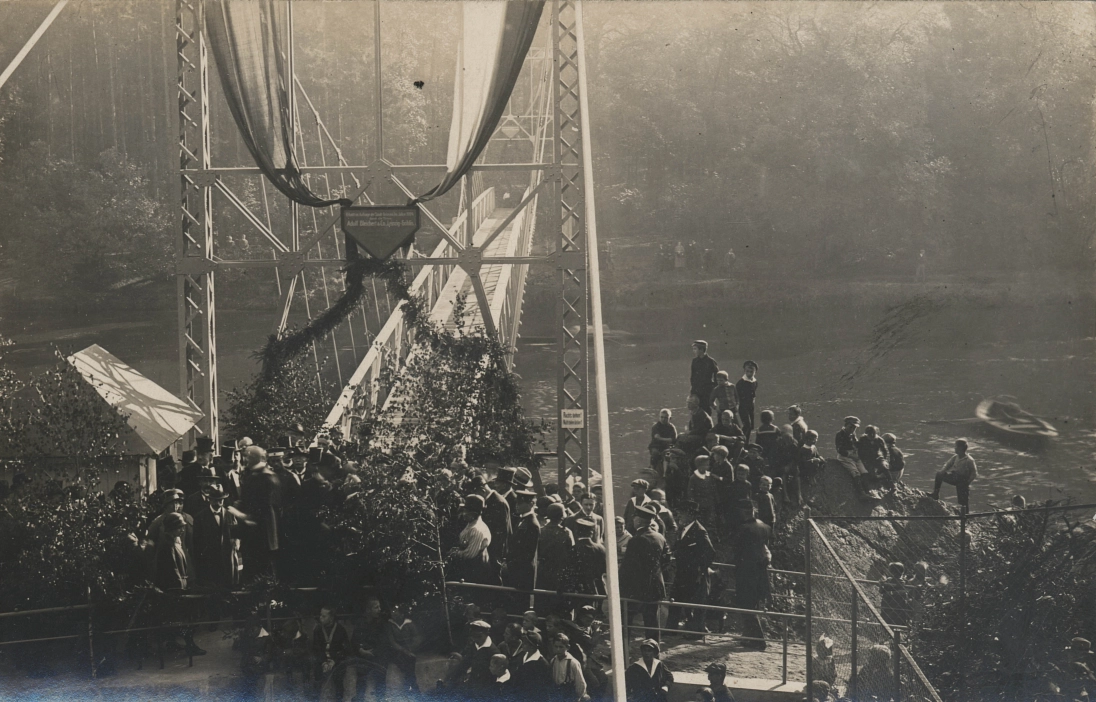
column 572, row 419
column 381, row 229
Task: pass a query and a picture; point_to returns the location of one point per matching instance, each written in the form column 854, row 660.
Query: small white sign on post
column 572, row 419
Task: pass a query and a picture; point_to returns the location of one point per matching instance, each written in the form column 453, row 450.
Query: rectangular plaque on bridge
column 381, row 229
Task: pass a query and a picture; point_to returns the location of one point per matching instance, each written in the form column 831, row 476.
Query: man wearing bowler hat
column 503, row 484
column 187, row 477
column 261, row 501
column 196, row 501
column 641, row 569
column 470, row 559
column 216, row 559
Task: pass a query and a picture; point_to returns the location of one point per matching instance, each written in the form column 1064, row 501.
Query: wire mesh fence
column 857, row 653
column 991, row 606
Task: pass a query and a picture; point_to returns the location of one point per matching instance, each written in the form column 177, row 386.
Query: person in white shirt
column 568, row 683
column 470, row 560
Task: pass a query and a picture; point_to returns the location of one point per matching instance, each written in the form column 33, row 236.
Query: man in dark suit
column 503, row 484
column 641, row 571
column 694, row 553
column 589, row 559
column 262, row 499
column 752, row 559
column 215, row 556
column 521, row 563
column 187, row 479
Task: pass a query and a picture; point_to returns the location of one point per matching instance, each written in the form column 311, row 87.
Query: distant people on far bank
column 960, row 471
column 919, row 276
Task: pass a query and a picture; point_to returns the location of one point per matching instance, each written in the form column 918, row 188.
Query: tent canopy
column 156, row 417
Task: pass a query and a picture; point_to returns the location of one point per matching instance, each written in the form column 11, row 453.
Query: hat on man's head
column 647, row 510
column 533, row 637
column 474, row 503
column 716, row 667
column 213, row 491
column 228, row 451
column 657, row 494
column 190, row 456
column 527, row 494
column 506, row 475
column 523, row 477
column 479, row 624
column 174, row 494
column 555, row 512
column 203, row 444
column 640, row 482
column 689, row 506
column 588, row 609
column 1080, row 644
column 174, row 521
column 650, row 643
column 207, row 473
column 701, row 343
column 584, row 523
column 852, row 420
column 751, row 363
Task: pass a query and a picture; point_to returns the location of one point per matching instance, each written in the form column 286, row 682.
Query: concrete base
column 744, row 689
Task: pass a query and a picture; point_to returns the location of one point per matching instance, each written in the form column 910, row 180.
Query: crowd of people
column 722, row 483
column 693, row 257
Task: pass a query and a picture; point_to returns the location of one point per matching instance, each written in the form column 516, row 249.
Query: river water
column 903, row 370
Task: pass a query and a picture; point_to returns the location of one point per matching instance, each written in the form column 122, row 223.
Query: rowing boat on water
column 1013, row 421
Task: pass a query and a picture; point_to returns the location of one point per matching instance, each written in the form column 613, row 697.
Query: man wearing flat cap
column 554, row 564
column 717, row 681
column 694, row 554
column 639, row 497
column 641, row 570
column 648, row 680
column 470, row 559
column 521, row 562
column 702, row 378
column 471, row 669
column 847, row 442
column 589, row 559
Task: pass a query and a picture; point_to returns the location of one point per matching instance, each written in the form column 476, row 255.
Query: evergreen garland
column 279, row 350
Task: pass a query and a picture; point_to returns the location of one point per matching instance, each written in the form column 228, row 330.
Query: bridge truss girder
column 560, row 177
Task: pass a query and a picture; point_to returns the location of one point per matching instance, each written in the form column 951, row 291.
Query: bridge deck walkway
column 495, row 277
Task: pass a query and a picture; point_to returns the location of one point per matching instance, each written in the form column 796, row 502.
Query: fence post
column 91, row 638
column 852, row 645
column 963, row 600
column 809, row 612
column 784, row 667
column 898, row 665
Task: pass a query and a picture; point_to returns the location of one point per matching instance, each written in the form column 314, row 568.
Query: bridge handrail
column 388, row 348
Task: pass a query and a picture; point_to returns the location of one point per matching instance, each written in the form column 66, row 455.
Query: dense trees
column 828, row 133
column 823, row 136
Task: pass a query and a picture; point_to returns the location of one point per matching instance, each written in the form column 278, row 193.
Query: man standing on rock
column 959, row 471
column 702, row 379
